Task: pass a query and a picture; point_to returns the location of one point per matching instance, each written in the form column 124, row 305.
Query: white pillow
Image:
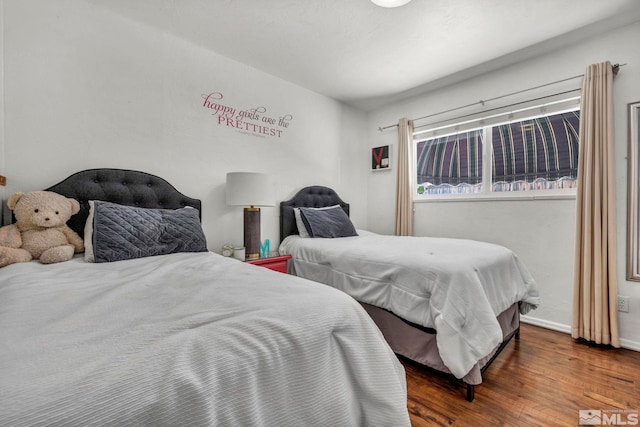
column 302, row 230
column 88, row 236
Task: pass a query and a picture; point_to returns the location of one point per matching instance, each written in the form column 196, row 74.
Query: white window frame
column 486, row 123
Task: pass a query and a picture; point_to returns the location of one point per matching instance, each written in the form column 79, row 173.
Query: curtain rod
column 499, row 108
column 615, row 68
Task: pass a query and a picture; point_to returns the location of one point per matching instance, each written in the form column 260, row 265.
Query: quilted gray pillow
column 116, row 232
column 331, row 222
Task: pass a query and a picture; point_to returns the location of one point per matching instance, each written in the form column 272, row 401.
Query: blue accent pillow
column 118, row 232
column 330, row 223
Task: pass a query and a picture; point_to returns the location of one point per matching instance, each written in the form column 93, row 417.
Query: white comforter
column 188, row 339
column 455, row 286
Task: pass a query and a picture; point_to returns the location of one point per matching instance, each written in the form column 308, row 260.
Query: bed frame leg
column 470, row 392
column 515, row 334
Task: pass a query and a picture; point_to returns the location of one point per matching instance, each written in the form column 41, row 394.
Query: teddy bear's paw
column 4, row 257
column 10, row 256
column 57, row 254
column 10, row 236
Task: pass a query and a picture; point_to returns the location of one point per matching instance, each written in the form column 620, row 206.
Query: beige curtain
column 595, row 309
column 404, row 202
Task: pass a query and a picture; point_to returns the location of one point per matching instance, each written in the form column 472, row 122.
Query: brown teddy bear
column 40, row 231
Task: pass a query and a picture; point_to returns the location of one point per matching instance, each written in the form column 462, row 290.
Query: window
column 534, row 154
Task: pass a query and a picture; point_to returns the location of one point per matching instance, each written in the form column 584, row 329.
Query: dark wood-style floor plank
column 544, row 379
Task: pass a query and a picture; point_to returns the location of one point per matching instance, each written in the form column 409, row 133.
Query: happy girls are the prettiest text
column 251, row 120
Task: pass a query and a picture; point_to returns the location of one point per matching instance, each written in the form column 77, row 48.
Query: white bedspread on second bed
column 455, row 286
column 188, row 339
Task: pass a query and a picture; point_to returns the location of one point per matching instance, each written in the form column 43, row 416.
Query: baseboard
column 546, row 324
column 559, row 327
column 631, row 345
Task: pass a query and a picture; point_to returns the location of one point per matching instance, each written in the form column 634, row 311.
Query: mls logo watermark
column 611, row 417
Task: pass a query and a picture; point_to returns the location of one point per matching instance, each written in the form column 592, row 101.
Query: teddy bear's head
column 42, row 208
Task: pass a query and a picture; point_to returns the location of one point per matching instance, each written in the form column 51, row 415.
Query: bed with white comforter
column 188, row 339
column 457, row 287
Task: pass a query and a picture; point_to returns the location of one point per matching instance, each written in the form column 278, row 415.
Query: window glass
column 450, row 164
column 536, row 154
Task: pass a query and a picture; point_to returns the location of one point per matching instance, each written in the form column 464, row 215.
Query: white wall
column 86, row 88
column 540, row 232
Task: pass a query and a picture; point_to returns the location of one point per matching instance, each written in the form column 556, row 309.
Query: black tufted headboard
column 125, row 187
column 309, row 197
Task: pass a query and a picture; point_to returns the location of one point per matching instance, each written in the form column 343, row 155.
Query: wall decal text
column 254, row 121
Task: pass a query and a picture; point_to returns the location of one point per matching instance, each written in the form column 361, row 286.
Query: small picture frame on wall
column 381, row 158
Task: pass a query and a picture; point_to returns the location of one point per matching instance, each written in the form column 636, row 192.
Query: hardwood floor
column 544, row 379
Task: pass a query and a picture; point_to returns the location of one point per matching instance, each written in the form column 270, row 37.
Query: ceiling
column 365, row 55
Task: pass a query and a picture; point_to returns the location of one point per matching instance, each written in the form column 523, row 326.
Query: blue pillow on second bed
column 117, row 232
column 332, row 222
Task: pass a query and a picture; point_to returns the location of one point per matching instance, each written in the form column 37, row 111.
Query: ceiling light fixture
column 390, row 3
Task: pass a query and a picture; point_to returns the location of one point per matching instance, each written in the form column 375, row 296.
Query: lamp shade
column 249, row 189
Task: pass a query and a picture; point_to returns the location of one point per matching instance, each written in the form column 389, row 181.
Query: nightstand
column 273, row 262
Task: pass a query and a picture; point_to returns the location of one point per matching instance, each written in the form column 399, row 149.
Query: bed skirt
column 419, row 344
